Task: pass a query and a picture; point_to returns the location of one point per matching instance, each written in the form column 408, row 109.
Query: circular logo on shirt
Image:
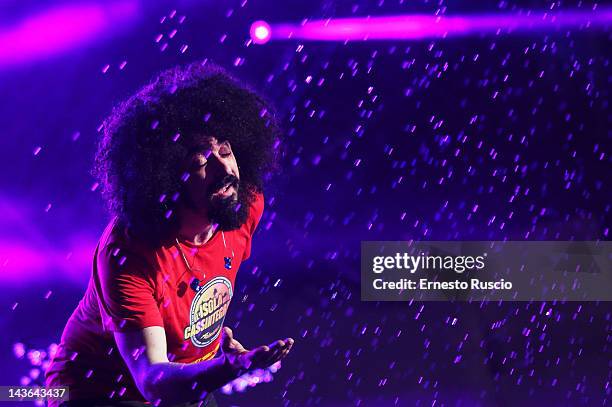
column 208, row 310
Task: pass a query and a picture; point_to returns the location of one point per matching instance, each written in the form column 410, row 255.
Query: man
column 182, row 165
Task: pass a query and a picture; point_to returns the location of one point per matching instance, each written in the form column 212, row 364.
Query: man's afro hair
column 147, row 138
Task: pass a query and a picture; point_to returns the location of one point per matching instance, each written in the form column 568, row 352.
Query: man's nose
column 222, row 166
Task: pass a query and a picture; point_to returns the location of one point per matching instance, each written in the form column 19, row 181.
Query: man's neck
column 195, row 228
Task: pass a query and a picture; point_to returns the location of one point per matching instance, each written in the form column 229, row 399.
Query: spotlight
column 260, row 32
column 420, row 26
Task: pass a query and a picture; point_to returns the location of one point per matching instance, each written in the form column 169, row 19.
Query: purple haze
column 62, row 29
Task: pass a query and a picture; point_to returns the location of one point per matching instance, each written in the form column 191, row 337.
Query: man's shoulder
column 257, row 206
column 117, row 245
column 255, row 212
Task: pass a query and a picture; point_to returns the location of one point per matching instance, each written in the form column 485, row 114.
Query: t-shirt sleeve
column 255, row 212
column 126, row 290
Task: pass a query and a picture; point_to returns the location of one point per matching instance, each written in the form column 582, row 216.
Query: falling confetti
column 496, row 136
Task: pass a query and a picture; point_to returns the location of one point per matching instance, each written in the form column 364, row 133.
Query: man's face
column 213, row 187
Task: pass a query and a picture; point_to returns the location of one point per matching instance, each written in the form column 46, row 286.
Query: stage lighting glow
column 62, row 29
column 418, row 27
column 261, row 32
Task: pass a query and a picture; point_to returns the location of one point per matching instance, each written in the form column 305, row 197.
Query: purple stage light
column 62, row 29
column 27, row 255
column 260, row 32
column 417, row 27
column 20, row 262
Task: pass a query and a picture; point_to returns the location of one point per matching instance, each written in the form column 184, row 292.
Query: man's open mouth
column 226, row 190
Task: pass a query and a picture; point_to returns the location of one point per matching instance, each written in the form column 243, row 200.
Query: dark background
column 485, row 137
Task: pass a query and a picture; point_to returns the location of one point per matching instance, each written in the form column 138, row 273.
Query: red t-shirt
column 133, row 287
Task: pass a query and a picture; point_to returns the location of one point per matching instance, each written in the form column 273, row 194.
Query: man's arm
column 145, row 353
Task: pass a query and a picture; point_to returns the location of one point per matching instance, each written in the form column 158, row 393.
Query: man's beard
column 227, row 212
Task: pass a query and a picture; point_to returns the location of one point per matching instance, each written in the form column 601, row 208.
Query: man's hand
column 171, row 383
column 243, row 359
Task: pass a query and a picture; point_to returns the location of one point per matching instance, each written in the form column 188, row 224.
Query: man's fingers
column 278, row 347
column 267, row 355
column 278, row 356
column 252, row 357
column 259, row 354
column 281, row 349
column 228, row 332
column 226, row 338
column 283, row 344
column 280, row 352
column 277, row 344
column 262, row 356
column 273, row 349
column 275, row 355
column 228, row 341
column 262, row 350
column 265, row 359
column 289, row 343
column 284, row 353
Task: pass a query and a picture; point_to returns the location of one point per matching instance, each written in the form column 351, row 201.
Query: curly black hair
column 147, row 138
